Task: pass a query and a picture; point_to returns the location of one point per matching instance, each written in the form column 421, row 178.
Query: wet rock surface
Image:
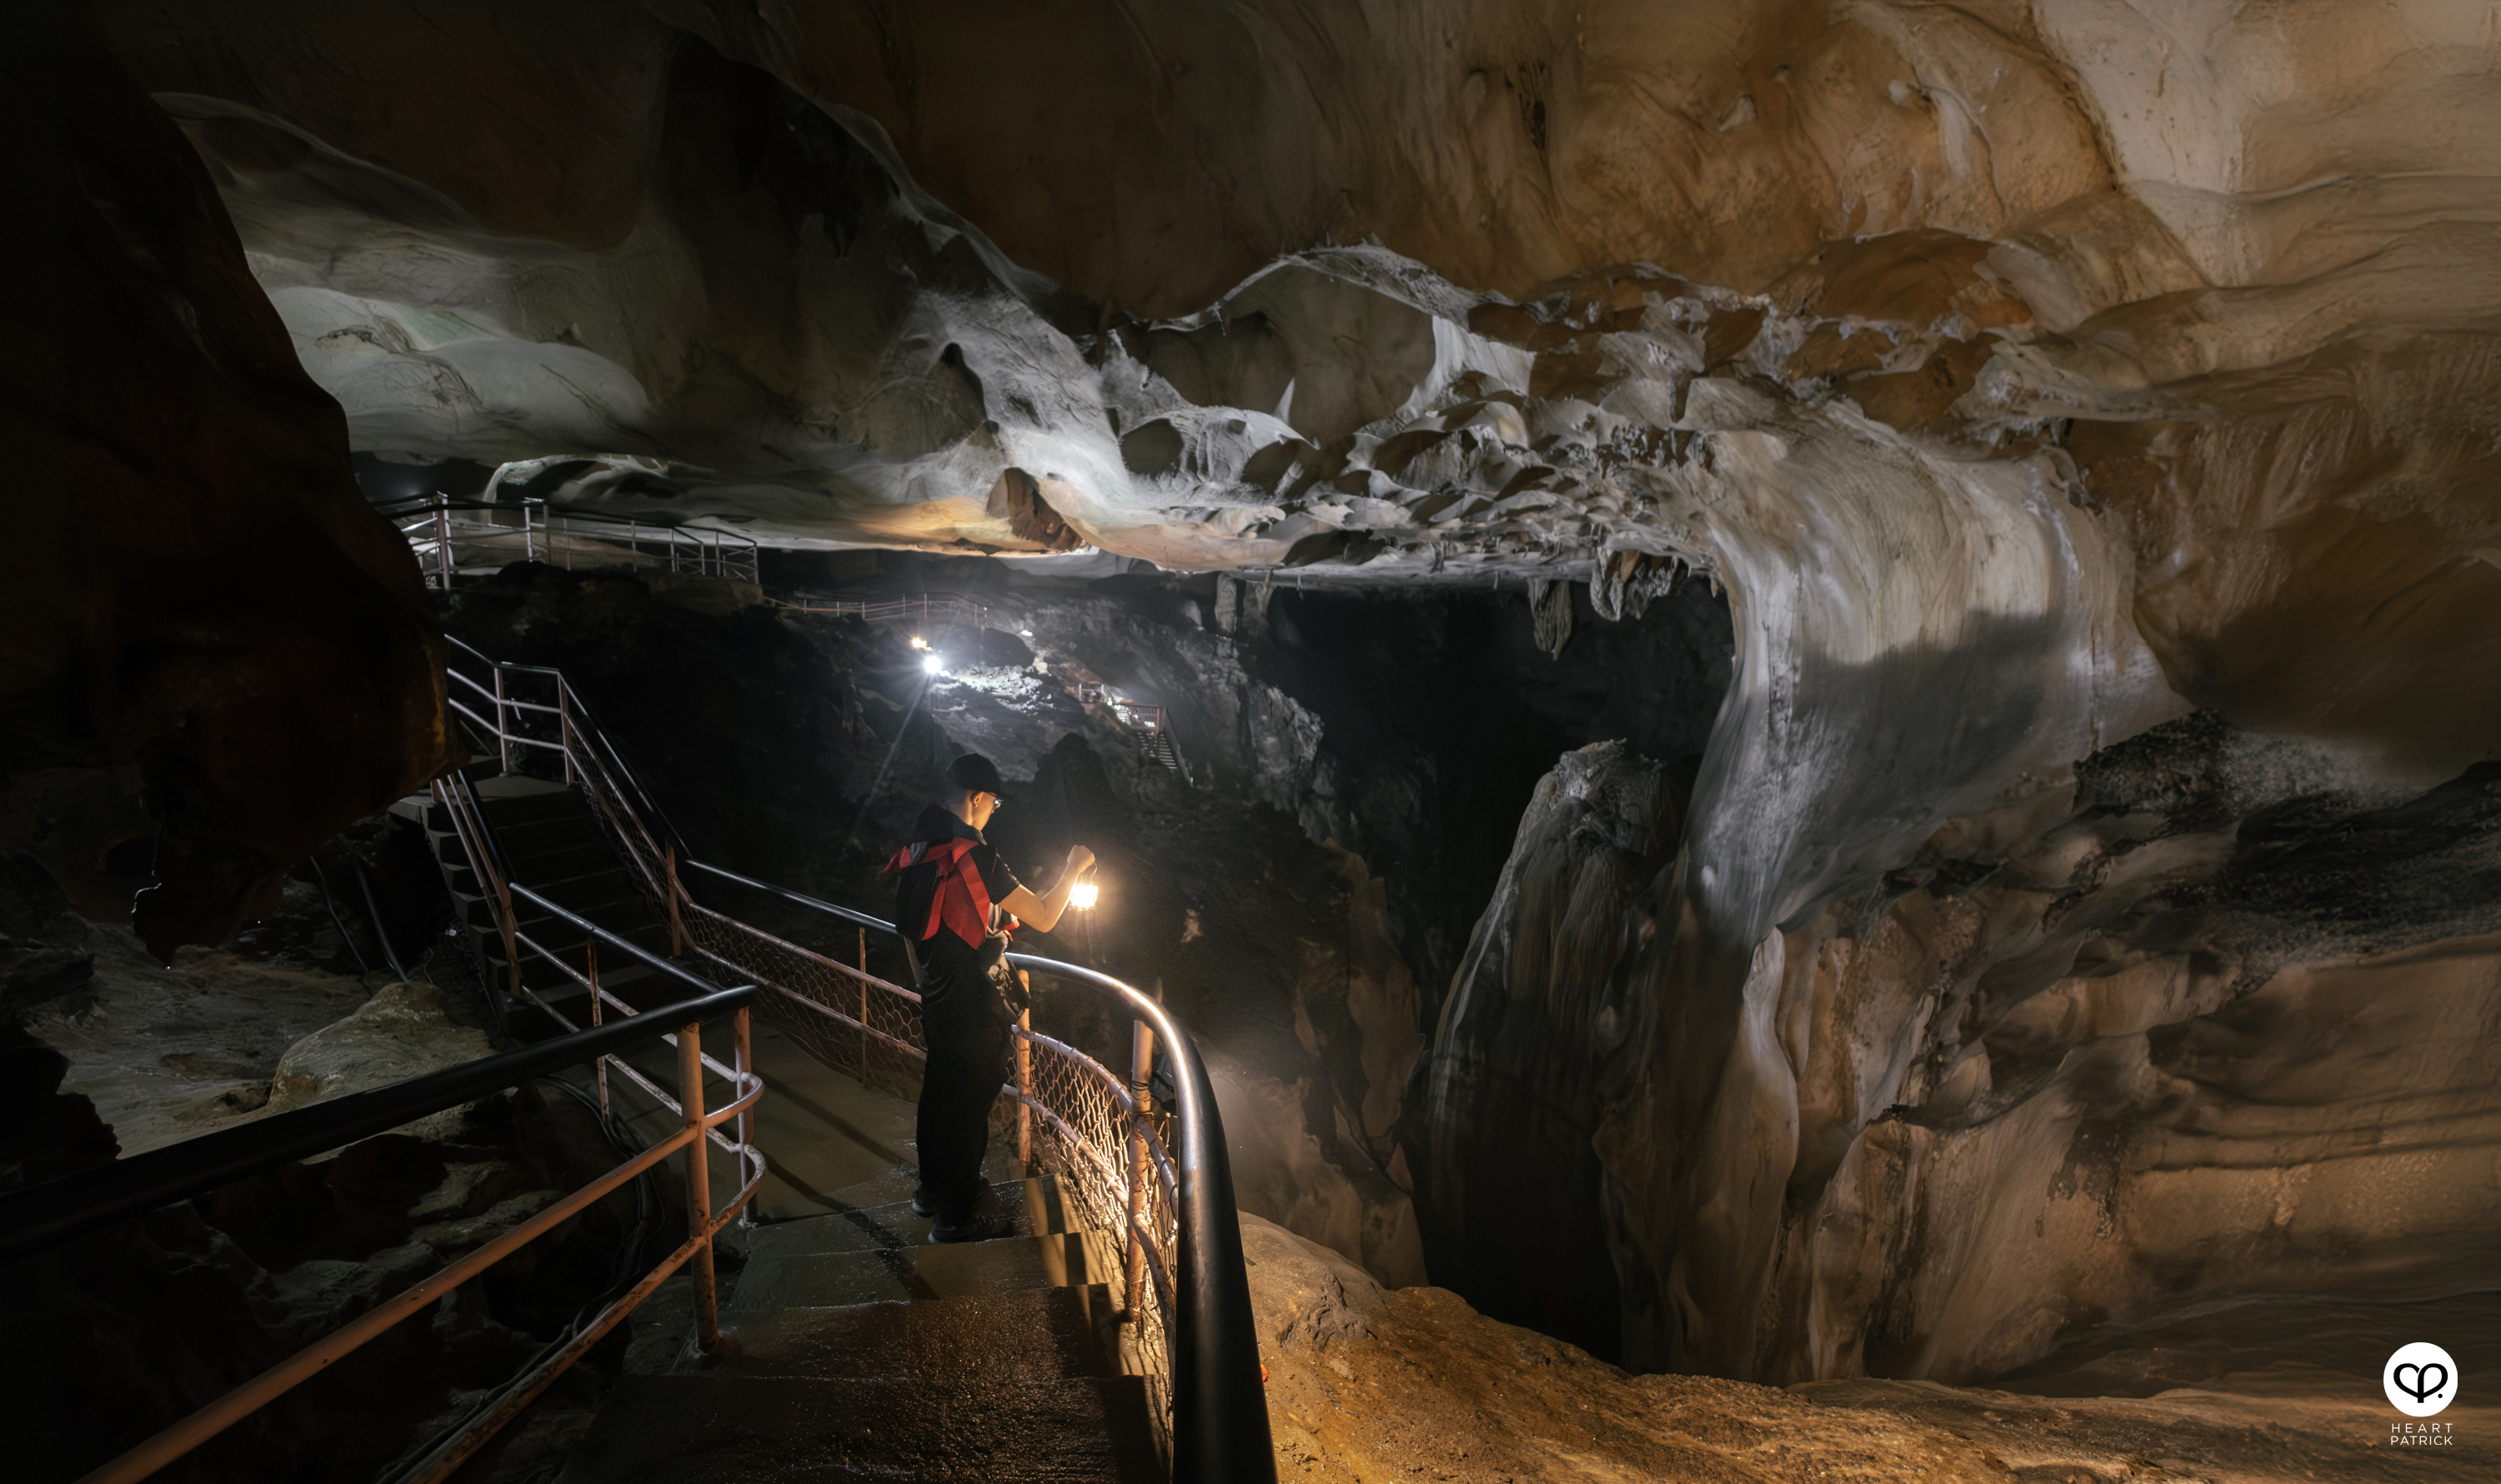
column 2209, row 1031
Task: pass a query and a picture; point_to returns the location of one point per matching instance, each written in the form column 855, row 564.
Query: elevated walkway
column 852, row 1349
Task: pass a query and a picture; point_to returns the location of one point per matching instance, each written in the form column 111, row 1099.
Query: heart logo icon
column 2420, row 1379
column 2429, row 1381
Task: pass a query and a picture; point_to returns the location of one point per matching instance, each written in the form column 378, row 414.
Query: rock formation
column 1364, row 1384
column 216, row 653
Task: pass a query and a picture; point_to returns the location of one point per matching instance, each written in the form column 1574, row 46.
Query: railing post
column 599, row 1067
column 443, row 563
column 1024, row 1087
column 564, row 727
column 512, row 944
column 698, row 1186
column 502, row 724
column 863, row 963
column 677, row 923
column 743, row 1058
column 1141, row 1071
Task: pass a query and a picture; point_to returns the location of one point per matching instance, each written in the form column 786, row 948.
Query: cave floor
column 1419, row 1385
column 2282, row 1389
column 169, row 1054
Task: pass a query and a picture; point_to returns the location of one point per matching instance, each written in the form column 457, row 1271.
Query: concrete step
column 546, row 835
column 999, row 1167
column 1006, row 1336
column 580, row 859
column 610, row 883
column 727, row 1428
column 565, row 888
column 504, row 790
column 506, row 800
column 627, row 910
column 1006, row 1265
column 1033, row 1204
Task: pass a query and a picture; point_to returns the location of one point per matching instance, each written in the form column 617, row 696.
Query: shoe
column 980, row 1227
column 922, row 1204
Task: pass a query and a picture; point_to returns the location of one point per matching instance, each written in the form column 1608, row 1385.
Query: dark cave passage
column 1440, row 714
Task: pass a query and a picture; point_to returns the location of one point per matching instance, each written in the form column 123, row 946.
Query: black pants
column 968, row 1054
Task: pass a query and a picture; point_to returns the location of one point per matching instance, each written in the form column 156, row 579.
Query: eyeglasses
column 997, row 803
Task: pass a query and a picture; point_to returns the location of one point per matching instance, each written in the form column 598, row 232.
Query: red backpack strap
column 962, row 900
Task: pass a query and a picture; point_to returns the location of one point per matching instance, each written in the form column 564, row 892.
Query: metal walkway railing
column 454, row 536
column 930, row 609
column 1156, row 1174
column 1152, row 724
column 74, row 1205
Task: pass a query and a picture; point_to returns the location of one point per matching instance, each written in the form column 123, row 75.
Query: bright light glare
column 934, row 663
column 1084, row 895
column 918, row 642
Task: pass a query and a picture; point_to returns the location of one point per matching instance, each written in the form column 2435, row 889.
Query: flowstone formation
column 2075, row 402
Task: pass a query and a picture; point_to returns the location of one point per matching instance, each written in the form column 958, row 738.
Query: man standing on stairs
column 951, row 909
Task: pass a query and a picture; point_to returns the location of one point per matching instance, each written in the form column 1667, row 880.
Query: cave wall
column 216, row 654
column 2212, row 1023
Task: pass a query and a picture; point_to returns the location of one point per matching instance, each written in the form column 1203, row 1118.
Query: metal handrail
column 594, row 733
column 73, row 1205
column 924, row 606
column 1218, row 1411
column 1219, row 1407
column 722, row 552
column 1219, row 1397
column 60, row 1210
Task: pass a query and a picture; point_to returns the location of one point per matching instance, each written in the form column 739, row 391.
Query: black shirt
column 946, row 959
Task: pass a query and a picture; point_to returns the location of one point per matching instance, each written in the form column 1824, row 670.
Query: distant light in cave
column 934, row 663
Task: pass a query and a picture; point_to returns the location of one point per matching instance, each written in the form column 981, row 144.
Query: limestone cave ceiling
column 2168, row 330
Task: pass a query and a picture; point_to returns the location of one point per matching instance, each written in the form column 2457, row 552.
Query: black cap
column 975, row 774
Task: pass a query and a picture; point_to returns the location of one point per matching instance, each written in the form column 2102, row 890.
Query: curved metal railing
column 1157, row 1175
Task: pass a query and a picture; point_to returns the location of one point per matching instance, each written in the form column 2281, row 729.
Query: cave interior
column 1802, row 701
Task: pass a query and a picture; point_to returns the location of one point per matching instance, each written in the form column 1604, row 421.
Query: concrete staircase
column 555, row 844
column 854, row 1349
